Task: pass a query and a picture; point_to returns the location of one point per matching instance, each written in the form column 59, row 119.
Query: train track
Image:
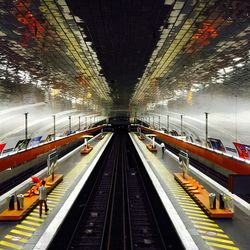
column 118, row 207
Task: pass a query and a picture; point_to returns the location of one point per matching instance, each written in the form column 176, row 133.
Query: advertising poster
column 22, row 144
column 35, row 141
column 2, row 145
column 243, row 150
column 216, row 144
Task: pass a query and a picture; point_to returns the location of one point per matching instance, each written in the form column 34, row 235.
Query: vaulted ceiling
column 125, row 53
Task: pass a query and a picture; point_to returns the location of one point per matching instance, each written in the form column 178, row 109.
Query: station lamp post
column 69, row 124
column 168, row 123
column 236, row 129
column 26, row 125
column 181, row 125
column 206, row 128
column 79, row 117
column 54, row 126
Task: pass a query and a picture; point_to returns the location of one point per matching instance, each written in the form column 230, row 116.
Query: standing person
column 42, row 198
column 162, row 148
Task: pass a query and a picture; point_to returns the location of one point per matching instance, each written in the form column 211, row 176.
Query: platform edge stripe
column 10, row 245
column 194, row 211
column 211, row 224
column 222, row 246
column 191, row 207
column 32, row 229
column 189, row 204
column 214, row 238
column 53, row 227
column 181, row 229
column 209, row 228
column 54, row 198
column 31, row 223
column 201, row 219
column 15, row 231
column 197, row 214
column 34, row 218
column 217, row 234
column 8, row 236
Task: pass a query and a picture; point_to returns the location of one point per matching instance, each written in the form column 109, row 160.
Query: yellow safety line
column 209, row 228
column 31, row 223
column 10, row 245
column 200, row 215
column 34, row 218
column 199, row 219
column 190, row 204
column 211, row 224
column 50, row 202
column 184, row 198
column 36, row 214
column 55, row 195
column 13, row 238
column 217, row 239
column 176, row 189
column 26, row 228
column 193, row 208
column 194, row 211
column 53, row 199
column 14, row 231
column 222, row 246
column 216, row 234
column 179, row 193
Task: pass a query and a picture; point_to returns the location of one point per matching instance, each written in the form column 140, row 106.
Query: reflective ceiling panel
column 41, row 41
column 125, row 53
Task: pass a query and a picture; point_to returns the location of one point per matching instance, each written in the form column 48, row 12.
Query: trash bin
column 229, row 203
column 11, row 202
column 221, row 201
column 20, row 198
column 212, row 200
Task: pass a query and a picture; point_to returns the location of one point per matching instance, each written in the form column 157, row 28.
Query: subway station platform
column 197, row 230
column 26, row 233
column 206, row 232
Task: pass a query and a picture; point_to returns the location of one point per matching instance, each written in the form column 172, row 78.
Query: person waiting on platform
column 42, row 198
column 162, row 148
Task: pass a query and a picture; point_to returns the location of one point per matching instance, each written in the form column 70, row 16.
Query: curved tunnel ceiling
column 125, row 54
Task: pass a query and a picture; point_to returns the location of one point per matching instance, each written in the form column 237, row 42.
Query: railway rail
column 118, row 207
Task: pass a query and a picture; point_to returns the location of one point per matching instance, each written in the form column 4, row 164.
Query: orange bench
column 151, row 148
column 141, row 137
column 29, row 202
column 86, row 150
column 201, row 196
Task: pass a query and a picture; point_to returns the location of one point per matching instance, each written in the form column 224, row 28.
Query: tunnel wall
column 213, row 158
